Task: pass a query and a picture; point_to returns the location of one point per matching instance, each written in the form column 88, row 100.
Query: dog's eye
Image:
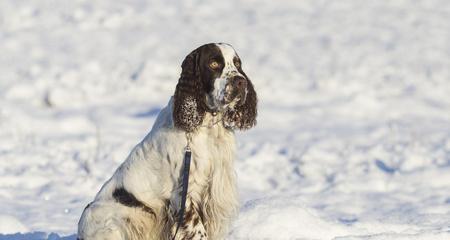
column 237, row 63
column 214, row 65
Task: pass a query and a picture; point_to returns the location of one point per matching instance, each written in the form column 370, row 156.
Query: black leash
column 187, row 165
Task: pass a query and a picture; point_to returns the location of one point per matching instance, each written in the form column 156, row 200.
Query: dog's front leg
column 193, row 227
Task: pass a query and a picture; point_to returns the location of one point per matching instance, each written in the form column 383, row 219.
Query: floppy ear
column 189, row 99
column 243, row 117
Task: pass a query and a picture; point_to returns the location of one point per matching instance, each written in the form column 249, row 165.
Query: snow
column 291, row 216
column 10, row 224
column 353, row 134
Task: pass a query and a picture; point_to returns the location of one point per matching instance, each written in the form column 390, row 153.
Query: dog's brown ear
column 243, row 116
column 189, row 99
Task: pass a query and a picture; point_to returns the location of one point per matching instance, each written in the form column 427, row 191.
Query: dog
column 213, row 98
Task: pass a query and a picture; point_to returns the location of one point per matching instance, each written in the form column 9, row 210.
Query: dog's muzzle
column 236, row 90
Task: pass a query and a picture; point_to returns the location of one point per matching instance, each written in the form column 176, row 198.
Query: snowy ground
column 353, row 138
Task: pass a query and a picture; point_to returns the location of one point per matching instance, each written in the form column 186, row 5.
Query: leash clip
column 189, row 141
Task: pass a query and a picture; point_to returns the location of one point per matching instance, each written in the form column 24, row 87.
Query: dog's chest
column 213, row 154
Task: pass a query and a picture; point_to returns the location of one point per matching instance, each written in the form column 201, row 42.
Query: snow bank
column 287, row 217
column 36, row 236
column 10, row 224
column 400, row 236
column 283, row 218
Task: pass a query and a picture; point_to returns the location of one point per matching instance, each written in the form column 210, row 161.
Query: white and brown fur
column 141, row 200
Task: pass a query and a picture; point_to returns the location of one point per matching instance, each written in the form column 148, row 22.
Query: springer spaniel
column 142, row 199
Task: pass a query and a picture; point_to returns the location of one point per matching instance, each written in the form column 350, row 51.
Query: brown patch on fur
column 189, row 100
column 188, row 216
column 168, row 159
column 196, row 220
column 121, row 195
column 243, row 116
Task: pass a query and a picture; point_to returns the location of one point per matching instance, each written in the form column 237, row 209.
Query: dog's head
column 212, row 80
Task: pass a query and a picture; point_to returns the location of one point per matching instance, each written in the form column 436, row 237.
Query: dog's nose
column 239, row 82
